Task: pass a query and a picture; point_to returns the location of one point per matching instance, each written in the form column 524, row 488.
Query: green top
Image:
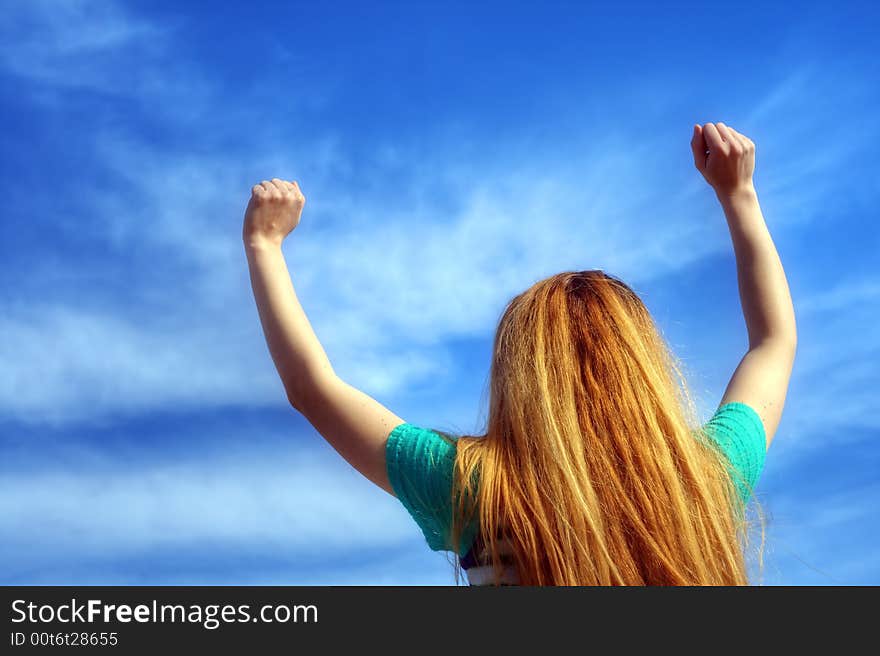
column 420, row 465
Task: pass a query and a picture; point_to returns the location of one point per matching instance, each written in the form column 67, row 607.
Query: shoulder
column 416, row 438
column 413, row 449
column 738, row 430
column 421, row 464
column 421, row 469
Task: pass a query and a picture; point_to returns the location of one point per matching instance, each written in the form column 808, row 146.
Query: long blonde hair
column 593, row 464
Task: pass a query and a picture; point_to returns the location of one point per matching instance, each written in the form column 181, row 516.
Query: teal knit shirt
column 420, row 464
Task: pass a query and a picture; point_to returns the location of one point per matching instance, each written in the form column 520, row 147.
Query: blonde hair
column 593, row 463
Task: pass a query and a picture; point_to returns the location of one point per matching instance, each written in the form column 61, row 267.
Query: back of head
column 590, row 463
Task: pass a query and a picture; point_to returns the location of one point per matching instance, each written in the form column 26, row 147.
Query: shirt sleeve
column 738, row 430
column 420, row 464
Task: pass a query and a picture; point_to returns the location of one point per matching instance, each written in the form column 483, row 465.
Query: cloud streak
column 447, row 268
column 94, row 46
column 272, row 502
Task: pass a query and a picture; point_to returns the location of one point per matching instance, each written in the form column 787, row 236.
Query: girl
column 591, row 470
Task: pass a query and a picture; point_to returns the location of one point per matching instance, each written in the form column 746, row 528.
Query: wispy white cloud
column 384, row 285
column 103, row 47
column 778, row 101
column 79, row 44
column 62, row 364
column 809, row 537
column 294, row 500
column 397, row 253
column 842, row 296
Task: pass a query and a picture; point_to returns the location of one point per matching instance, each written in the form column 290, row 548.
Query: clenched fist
column 273, row 211
column 724, row 157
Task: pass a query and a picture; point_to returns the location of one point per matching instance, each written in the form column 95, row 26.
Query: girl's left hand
column 273, row 211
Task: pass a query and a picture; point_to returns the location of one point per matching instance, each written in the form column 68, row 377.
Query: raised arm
column 726, row 159
column 355, row 424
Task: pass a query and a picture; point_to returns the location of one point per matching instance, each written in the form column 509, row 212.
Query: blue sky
column 451, row 155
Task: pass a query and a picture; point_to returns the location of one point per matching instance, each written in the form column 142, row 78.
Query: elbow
column 295, row 398
column 295, row 404
column 310, row 386
column 306, row 393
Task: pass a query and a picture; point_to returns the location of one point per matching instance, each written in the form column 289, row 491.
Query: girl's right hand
column 724, row 157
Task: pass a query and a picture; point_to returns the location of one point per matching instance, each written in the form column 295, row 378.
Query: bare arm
column 355, row 424
column 763, row 288
column 298, row 355
column 762, row 377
